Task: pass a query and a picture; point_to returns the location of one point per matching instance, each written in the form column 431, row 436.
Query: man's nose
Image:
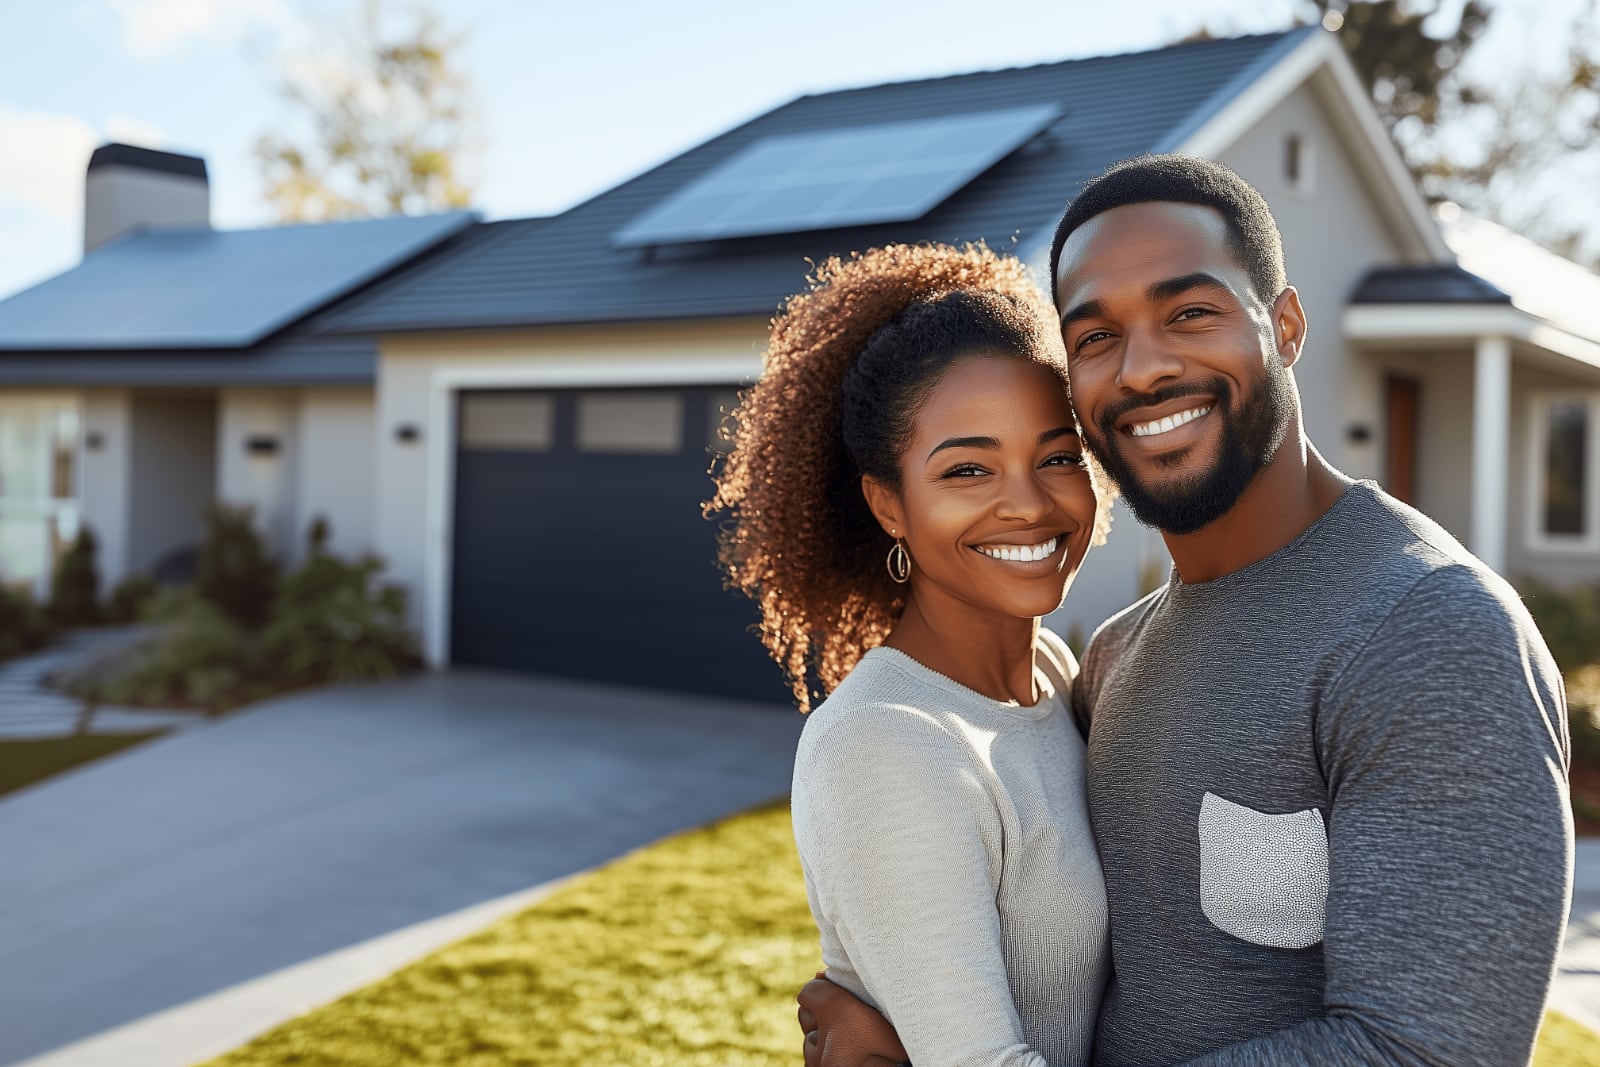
column 1147, row 363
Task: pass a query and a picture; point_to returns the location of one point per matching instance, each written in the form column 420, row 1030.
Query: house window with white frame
column 1563, row 482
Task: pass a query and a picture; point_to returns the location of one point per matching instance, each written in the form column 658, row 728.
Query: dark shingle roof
column 200, row 288
column 566, row 270
column 1434, row 284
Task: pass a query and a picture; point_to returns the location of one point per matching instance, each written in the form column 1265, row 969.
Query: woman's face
column 995, row 504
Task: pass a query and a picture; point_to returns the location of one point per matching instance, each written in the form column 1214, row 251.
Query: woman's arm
column 902, row 846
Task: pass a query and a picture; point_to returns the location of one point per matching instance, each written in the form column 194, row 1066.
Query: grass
column 688, row 952
column 25, row 762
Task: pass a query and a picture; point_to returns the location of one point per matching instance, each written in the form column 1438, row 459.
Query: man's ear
column 1289, row 326
column 885, row 505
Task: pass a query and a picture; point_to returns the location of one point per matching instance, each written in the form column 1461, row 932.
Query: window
column 630, row 422
column 1563, row 480
column 1299, row 163
column 508, row 422
column 38, row 486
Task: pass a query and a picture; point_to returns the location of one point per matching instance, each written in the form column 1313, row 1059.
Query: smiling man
column 1327, row 761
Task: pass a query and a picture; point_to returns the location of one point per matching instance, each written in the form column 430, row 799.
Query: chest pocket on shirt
column 1263, row 878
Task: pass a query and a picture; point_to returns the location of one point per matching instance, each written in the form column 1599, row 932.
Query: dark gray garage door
column 579, row 546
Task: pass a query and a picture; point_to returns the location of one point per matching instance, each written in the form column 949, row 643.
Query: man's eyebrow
column 1166, row 290
column 964, row 442
column 1091, row 309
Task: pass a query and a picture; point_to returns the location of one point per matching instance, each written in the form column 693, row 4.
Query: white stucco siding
column 1332, row 237
column 172, row 468
column 335, row 460
column 262, row 480
column 417, row 380
column 104, row 472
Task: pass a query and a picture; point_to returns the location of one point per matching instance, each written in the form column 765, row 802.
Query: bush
column 333, row 621
column 75, row 586
column 1569, row 620
column 130, row 598
column 235, row 573
column 201, row 659
column 23, row 625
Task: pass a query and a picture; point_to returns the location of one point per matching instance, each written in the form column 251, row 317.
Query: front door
column 1402, row 402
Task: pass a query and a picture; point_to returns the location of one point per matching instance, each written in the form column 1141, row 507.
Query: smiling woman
column 908, row 495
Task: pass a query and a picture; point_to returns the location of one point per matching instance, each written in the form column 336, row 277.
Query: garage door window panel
column 508, row 422
column 630, row 423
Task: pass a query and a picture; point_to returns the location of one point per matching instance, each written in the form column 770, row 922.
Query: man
column 1327, row 762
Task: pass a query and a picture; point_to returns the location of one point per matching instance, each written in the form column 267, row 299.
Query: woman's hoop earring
column 899, row 563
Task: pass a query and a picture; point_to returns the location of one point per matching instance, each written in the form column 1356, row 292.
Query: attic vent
column 860, row 175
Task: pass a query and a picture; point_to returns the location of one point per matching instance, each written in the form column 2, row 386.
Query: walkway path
column 282, row 834
column 1577, row 990
column 30, row 709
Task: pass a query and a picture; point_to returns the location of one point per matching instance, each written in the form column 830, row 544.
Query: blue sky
column 571, row 97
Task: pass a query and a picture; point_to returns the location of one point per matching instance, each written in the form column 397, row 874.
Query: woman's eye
column 966, row 470
column 1064, row 459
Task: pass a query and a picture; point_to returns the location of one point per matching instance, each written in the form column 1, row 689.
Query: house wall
column 335, row 460
column 104, row 473
column 1332, row 236
column 265, row 482
column 414, row 506
column 172, row 471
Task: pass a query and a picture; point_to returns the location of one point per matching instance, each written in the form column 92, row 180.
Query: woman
column 907, row 495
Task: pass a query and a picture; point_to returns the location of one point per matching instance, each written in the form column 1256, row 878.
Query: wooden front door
column 1402, row 401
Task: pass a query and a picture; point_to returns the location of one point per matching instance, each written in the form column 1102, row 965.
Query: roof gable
column 567, row 270
column 211, row 289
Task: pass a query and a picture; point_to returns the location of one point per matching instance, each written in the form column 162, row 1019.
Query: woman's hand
column 841, row 1031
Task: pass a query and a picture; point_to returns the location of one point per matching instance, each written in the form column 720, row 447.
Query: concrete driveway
column 305, row 825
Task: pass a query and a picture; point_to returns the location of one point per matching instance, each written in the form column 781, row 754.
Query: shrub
column 1569, row 620
column 23, row 625
column 333, row 621
column 130, row 598
column 75, row 586
column 235, row 572
column 201, row 658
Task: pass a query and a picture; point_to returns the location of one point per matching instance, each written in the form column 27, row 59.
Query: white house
column 528, row 449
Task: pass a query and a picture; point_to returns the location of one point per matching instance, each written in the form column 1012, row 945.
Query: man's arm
column 1449, row 841
column 843, row 1031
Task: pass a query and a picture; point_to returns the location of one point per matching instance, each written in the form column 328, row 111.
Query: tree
column 1513, row 145
column 388, row 115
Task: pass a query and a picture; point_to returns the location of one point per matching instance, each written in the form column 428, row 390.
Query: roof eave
column 1380, row 325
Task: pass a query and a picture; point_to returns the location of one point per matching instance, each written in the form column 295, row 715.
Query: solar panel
column 860, row 175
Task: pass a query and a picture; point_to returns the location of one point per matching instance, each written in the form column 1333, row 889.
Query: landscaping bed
column 688, row 952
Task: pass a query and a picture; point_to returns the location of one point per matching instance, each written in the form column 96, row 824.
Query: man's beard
column 1251, row 434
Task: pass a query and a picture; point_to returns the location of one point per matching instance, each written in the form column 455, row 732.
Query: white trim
column 1406, row 323
column 1372, row 150
column 1538, row 539
column 1491, row 449
column 440, row 441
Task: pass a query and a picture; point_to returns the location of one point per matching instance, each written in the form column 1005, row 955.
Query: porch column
column 1491, row 449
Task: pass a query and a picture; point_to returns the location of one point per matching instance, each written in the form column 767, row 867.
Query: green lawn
column 25, row 762
column 688, row 952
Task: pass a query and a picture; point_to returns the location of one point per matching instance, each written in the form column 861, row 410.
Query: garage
column 579, row 547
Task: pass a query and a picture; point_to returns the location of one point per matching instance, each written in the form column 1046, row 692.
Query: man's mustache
column 1109, row 416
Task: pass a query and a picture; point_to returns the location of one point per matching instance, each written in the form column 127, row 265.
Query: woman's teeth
column 1021, row 553
column 1171, row 422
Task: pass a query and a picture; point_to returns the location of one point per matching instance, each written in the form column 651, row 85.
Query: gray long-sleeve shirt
column 1329, row 792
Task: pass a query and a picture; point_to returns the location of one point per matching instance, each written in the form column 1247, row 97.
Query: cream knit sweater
column 949, row 862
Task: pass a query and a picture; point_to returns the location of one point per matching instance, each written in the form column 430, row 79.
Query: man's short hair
column 1253, row 236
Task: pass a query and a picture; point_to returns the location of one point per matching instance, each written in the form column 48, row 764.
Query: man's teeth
column 1021, row 553
column 1171, row 422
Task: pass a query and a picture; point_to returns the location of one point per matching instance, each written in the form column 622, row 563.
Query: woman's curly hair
column 847, row 365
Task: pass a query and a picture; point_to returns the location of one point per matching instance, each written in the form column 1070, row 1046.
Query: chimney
column 129, row 187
